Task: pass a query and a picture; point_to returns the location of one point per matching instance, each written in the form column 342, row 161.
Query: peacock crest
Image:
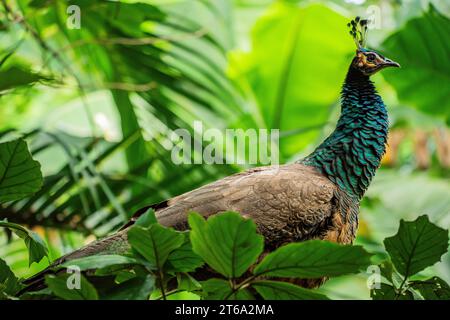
column 358, row 31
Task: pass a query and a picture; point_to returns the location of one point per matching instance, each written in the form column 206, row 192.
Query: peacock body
column 315, row 198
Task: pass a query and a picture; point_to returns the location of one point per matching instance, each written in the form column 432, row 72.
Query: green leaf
column 388, row 292
column 187, row 283
column 154, row 243
column 124, row 275
column 37, row 249
column 146, row 219
column 275, row 290
column 99, row 261
column 184, row 259
column 16, row 76
column 81, row 290
column 8, row 281
column 293, row 47
column 433, row 289
column 20, row 175
column 313, row 259
column 386, row 269
column 418, row 244
column 138, row 288
column 426, row 69
column 219, row 289
column 227, row 242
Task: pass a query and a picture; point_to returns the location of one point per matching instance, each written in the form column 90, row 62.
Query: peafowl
column 314, row 198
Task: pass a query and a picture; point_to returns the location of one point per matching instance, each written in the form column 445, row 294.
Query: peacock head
column 366, row 60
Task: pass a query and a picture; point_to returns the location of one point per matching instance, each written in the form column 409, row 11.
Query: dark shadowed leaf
column 187, row 283
column 418, row 244
column 184, row 259
column 433, row 289
column 387, row 292
column 37, row 249
column 138, row 288
column 219, row 289
column 275, row 290
column 16, row 76
column 227, row 242
column 314, row 259
column 68, row 287
column 99, row 261
column 20, row 175
column 154, row 243
column 8, row 281
column 386, row 269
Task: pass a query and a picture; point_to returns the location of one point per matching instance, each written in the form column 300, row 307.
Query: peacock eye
column 370, row 57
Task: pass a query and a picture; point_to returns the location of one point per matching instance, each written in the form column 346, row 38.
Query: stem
column 161, row 283
column 236, row 288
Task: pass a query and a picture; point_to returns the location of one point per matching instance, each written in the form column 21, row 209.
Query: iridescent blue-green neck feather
column 352, row 153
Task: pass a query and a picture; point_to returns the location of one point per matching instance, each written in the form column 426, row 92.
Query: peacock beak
column 390, row 63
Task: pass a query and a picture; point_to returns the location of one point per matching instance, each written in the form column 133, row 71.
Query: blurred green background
column 97, row 105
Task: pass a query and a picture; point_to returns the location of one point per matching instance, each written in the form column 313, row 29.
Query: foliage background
column 98, row 104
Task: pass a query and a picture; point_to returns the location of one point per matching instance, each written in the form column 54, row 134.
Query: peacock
column 316, row 197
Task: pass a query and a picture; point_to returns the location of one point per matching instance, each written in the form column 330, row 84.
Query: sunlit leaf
column 20, row 175
column 418, row 244
column 227, row 242
column 154, row 243
column 296, row 67
column 37, row 248
column 313, row 259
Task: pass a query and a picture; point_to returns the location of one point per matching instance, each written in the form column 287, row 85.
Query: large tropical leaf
column 20, row 175
column 425, row 74
column 295, row 68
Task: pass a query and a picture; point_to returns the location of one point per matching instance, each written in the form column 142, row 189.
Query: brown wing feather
column 287, row 201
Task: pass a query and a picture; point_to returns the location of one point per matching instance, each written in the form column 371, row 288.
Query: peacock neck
column 352, row 153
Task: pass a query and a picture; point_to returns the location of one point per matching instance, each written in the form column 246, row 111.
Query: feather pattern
column 351, row 155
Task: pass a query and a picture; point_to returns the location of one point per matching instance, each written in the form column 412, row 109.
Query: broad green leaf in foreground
column 433, row 289
column 219, row 289
column 154, row 243
column 227, row 242
column 388, row 292
column 8, row 281
column 20, row 175
column 425, row 74
column 68, row 289
column 37, row 249
column 418, row 244
column 184, row 259
column 99, row 261
column 138, row 288
column 313, row 259
column 275, row 290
